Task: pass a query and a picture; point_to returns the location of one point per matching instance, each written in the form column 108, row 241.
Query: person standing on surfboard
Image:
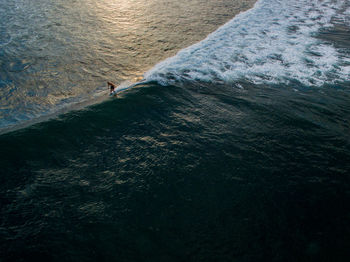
column 112, row 89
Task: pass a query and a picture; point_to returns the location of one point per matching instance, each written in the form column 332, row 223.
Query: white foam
column 272, row 43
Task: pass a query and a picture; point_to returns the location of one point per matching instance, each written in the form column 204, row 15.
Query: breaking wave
column 275, row 42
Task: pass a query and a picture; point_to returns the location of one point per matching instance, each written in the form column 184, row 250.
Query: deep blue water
column 235, row 149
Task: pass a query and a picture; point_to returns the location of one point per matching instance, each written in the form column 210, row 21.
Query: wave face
column 275, row 42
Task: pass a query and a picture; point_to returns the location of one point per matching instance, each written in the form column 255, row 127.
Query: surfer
column 112, row 89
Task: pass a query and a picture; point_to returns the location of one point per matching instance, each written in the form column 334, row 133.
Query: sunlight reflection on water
column 63, row 52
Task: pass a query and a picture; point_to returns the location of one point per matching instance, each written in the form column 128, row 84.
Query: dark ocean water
column 235, row 149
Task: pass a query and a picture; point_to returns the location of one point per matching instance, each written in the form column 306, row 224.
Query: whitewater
column 276, row 42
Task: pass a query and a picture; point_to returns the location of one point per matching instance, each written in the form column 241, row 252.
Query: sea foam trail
column 274, row 42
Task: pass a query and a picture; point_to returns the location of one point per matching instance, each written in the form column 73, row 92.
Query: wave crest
column 275, row 42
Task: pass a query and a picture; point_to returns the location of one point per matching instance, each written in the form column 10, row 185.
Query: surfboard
column 114, row 93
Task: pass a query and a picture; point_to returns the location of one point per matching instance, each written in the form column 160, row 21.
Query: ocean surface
column 233, row 146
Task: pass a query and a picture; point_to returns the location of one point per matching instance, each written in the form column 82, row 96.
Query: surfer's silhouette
column 112, row 91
